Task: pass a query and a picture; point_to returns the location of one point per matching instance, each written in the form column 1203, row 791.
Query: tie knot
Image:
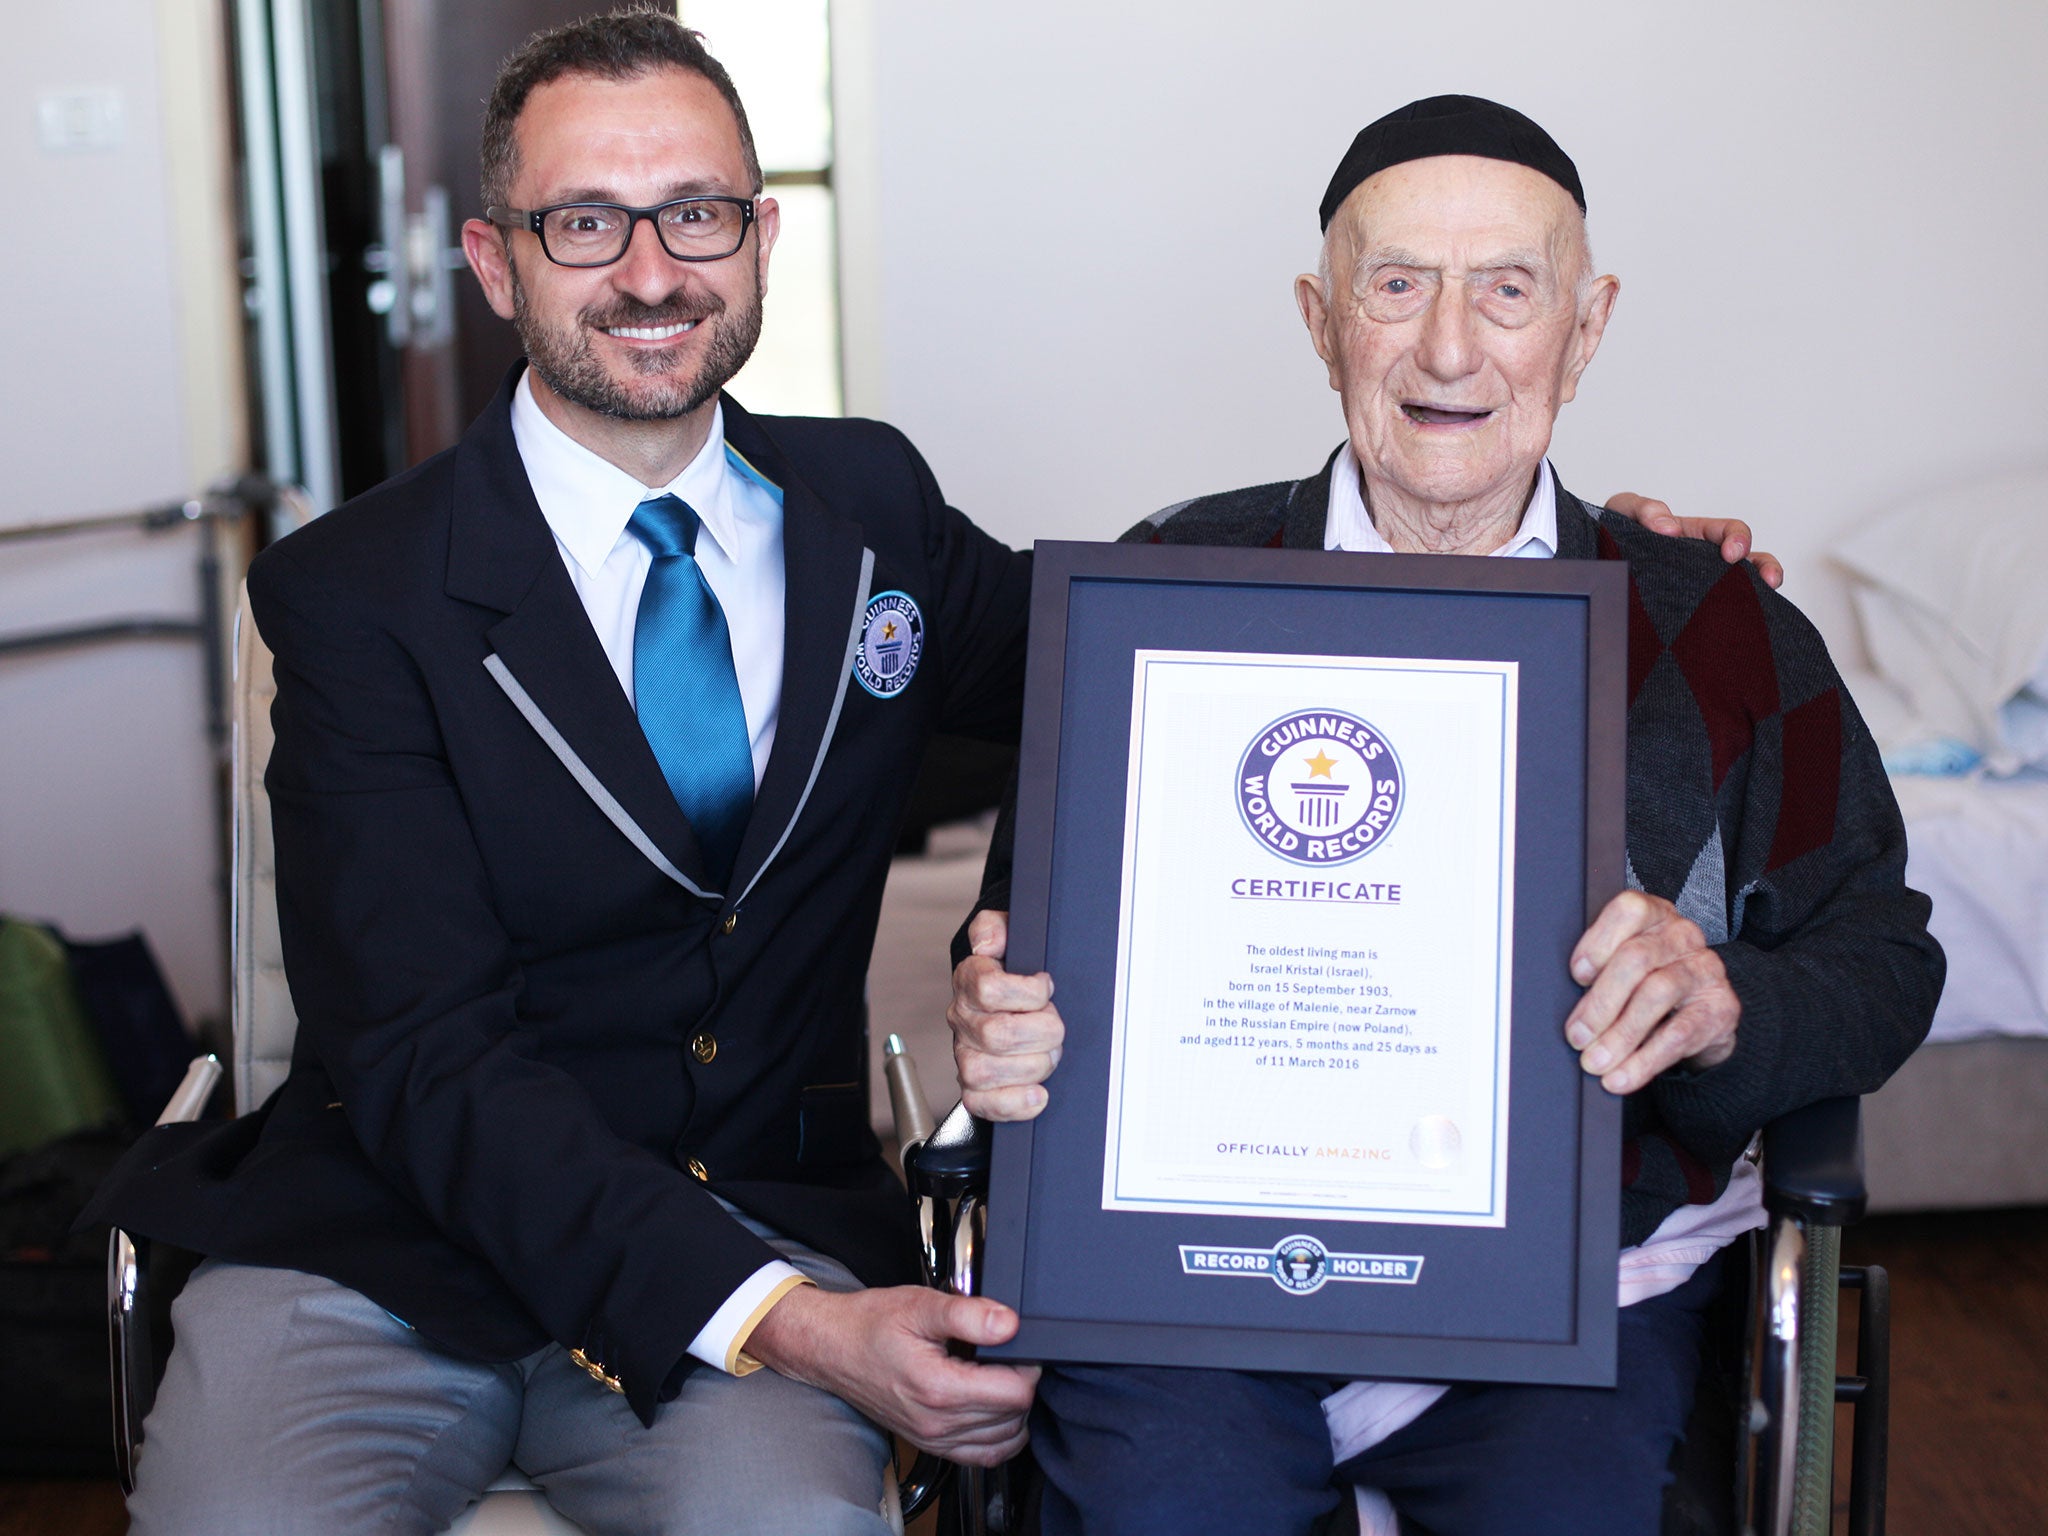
column 666, row 525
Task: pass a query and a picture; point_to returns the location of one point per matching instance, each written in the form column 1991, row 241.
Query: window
column 779, row 55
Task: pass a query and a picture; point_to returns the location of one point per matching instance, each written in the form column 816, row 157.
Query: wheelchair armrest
column 194, row 1089
column 1813, row 1163
column 953, row 1160
column 907, row 1104
column 131, row 1351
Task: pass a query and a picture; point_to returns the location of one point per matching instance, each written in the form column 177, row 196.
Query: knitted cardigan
column 1756, row 804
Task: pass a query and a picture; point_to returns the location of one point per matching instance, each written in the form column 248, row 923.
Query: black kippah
column 1450, row 125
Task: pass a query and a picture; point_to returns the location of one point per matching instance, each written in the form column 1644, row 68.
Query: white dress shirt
column 587, row 501
column 1364, row 1413
column 1350, row 525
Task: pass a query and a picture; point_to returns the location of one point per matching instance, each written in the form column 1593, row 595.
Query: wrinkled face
column 1454, row 324
column 649, row 337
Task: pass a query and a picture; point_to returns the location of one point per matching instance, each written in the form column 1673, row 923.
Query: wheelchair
column 1758, row 1456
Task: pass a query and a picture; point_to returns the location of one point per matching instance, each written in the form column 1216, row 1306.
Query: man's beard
column 564, row 360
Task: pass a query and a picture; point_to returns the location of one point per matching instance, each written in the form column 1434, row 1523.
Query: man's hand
column 1656, row 995
column 1006, row 1033
column 884, row 1351
column 1731, row 533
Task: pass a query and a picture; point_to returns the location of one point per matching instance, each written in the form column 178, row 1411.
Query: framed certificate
column 1306, row 840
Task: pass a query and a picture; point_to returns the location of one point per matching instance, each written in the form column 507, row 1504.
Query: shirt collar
column 588, row 500
column 1350, row 525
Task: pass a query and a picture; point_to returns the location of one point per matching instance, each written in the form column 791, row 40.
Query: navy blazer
column 508, row 962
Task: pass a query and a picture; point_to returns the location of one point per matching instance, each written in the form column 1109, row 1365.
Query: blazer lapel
column 828, row 573
column 547, row 658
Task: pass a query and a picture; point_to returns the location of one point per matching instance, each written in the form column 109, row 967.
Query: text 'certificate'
column 1312, row 992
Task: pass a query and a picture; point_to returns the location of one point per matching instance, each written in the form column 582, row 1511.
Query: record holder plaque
column 1306, row 840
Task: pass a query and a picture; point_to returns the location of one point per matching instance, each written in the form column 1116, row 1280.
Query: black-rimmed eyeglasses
column 597, row 234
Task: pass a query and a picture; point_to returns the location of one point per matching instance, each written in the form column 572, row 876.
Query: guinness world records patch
column 891, row 641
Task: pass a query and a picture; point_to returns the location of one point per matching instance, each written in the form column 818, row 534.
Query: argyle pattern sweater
column 1756, row 805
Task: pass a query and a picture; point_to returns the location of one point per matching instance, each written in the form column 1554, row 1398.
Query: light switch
column 81, row 120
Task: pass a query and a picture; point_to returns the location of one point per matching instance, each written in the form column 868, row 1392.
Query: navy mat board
column 1533, row 1301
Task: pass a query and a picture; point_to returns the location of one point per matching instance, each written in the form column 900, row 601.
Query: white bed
column 1965, row 1121
column 1947, row 593
column 1979, row 847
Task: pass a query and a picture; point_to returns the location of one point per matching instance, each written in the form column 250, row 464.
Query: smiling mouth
column 650, row 332
column 1435, row 416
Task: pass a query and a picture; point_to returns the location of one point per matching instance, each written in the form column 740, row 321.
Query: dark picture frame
column 1531, row 1300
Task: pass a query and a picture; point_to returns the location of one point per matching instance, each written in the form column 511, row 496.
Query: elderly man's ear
column 1592, row 326
column 1314, row 305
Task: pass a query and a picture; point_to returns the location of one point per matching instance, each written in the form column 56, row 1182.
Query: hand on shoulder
column 1730, row 533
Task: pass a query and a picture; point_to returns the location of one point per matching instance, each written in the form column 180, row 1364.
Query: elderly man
column 1767, row 955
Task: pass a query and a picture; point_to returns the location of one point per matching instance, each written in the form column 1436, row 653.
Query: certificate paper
column 1311, row 1013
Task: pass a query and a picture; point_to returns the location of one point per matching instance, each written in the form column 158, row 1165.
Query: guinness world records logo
column 891, row 642
column 1320, row 787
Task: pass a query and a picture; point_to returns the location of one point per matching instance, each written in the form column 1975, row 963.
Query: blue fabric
column 685, row 689
column 1149, row 1451
column 1160, row 1451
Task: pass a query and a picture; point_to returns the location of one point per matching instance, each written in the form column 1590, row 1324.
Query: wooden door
column 442, row 58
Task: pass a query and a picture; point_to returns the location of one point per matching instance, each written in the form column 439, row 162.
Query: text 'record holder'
column 1306, row 840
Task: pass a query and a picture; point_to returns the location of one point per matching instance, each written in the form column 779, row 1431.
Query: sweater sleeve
column 1829, row 951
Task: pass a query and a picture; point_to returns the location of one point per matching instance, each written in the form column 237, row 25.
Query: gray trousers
column 295, row 1405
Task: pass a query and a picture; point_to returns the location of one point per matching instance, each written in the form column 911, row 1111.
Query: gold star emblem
column 889, row 630
column 1320, row 765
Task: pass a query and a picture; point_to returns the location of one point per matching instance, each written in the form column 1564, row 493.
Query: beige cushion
column 264, row 1022
column 512, row 1514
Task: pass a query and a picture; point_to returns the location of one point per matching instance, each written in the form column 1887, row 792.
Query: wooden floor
column 61, row 1509
column 1969, row 1422
column 1969, row 1433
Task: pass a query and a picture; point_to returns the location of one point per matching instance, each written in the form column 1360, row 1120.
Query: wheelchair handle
column 907, row 1102
column 193, row 1091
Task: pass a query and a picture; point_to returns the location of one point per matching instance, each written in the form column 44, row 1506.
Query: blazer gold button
column 732, row 921
column 596, row 1372
column 704, row 1048
column 697, row 1171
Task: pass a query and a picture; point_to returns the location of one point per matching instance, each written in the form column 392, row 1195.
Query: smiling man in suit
column 592, row 739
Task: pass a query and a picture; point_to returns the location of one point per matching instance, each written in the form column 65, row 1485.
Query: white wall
column 1073, row 227
column 118, row 390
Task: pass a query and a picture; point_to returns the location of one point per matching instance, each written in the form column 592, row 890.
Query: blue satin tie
column 685, row 689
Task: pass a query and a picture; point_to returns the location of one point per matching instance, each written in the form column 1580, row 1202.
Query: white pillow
column 1951, row 591
column 2023, row 721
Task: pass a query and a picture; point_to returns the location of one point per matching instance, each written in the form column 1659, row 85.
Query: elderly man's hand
column 1656, row 995
column 1006, row 1033
column 1731, row 533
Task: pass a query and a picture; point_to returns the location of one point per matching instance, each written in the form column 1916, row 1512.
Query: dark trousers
column 1133, row 1451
